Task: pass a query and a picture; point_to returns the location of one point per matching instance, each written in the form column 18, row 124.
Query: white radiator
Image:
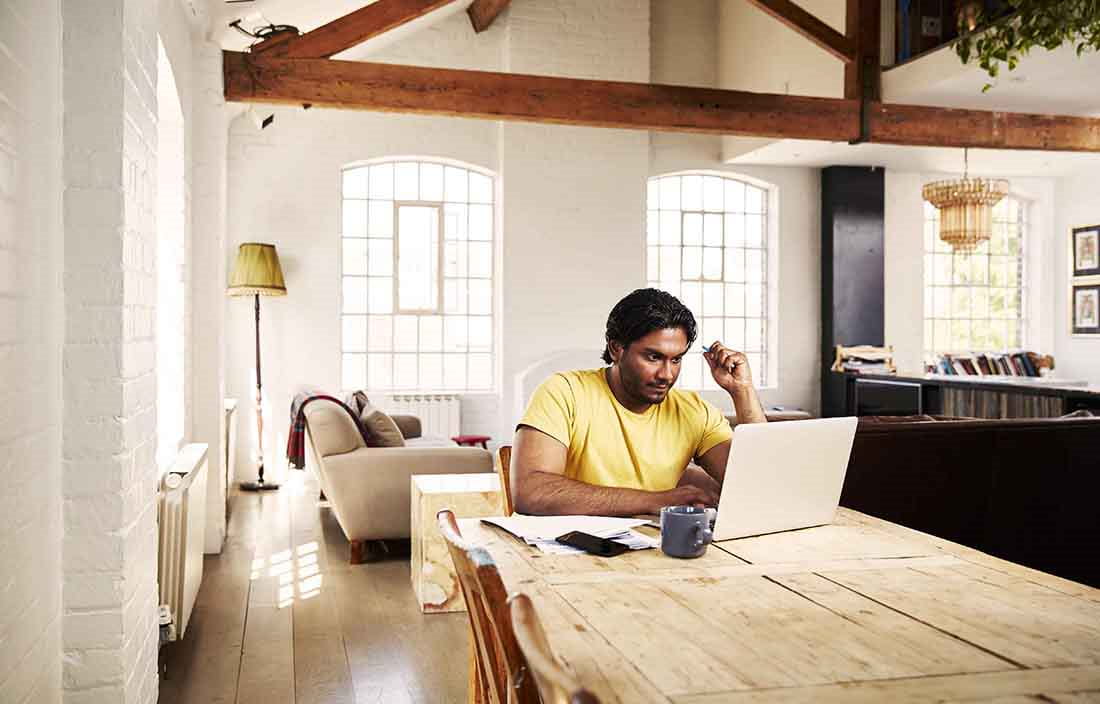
column 439, row 414
column 182, row 521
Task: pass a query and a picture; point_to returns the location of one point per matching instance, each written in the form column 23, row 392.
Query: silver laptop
column 782, row 476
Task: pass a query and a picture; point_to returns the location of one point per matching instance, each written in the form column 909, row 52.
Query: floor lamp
column 257, row 273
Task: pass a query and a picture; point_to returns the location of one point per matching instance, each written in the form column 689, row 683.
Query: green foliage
column 1043, row 23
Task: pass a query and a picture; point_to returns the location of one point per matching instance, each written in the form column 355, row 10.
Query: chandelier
column 966, row 207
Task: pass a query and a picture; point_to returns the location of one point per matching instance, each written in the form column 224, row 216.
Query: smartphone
column 592, row 544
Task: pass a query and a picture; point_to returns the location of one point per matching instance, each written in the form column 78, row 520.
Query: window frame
column 492, row 315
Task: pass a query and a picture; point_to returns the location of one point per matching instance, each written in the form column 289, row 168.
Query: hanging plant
column 1045, row 23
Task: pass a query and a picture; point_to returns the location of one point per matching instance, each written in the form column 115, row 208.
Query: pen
column 733, row 365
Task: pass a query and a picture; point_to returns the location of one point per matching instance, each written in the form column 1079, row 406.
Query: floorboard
column 282, row 617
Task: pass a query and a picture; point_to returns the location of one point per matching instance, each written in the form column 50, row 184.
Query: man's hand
column 687, row 495
column 729, row 368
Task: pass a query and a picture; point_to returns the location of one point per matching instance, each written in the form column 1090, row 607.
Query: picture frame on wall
column 1085, row 307
column 1086, row 250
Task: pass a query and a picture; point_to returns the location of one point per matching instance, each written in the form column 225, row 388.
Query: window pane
column 754, row 231
column 670, row 193
column 758, row 368
column 754, row 301
column 431, row 181
column 481, row 259
column 735, row 196
column 691, row 192
column 353, row 373
column 735, row 264
column 735, row 333
column 454, row 296
column 941, row 302
column 481, row 188
column 381, row 257
column 380, row 333
column 431, row 333
column 405, row 331
column 454, row 371
column 481, row 222
column 713, row 298
column 693, row 229
column 651, row 264
column 454, row 333
column 406, row 177
column 670, row 227
column 355, row 294
column 712, row 193
column 712, row 262
column 455, row 221
column 454, row 188
column 754, row 199
column 693, row 262
column 652, row 226
column 735, row 299
column 381, row 181
column 355, row 182
column 380, row 297
column 754, row 265
column 381, row 218
column 355, row 257
column 355, row 218
column 431, row 371
column 735, row 230
column 712, row 230
column 670, row 263
column 454, row 259
column 404, row 371
column 652, row 197
column 481, row 300
column 379, row 371
column 481, row 333
column 711, row 329
column 691, row 295
column 418, row 258
column 754, row 338
column 354, row 338
column 481, row 371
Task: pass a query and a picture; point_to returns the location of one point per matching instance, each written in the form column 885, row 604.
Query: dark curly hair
column 643, row 311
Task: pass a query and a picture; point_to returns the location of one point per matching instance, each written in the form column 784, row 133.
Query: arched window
column 976, row 302
column 707, row 243
column 418, row 277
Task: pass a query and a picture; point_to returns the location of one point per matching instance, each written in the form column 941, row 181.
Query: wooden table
column 862, row 610
column 469, row 495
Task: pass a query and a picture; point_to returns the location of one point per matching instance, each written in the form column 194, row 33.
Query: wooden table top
column 861, row 610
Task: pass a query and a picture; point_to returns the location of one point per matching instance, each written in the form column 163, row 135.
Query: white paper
column 550, row 527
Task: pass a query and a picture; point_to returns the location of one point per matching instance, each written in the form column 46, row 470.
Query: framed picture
column 1086, row 250
column 1085, row 299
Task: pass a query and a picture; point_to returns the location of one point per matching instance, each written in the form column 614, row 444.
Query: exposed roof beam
column 810, row 27
column 483, row 12
column 506, row 96
column 570, row 101
column 351, row 29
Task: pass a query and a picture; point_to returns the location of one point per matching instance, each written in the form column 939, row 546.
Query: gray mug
column 685, row 531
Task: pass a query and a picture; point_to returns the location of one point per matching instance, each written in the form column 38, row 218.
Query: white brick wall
column 109, row 604
column 30, row 340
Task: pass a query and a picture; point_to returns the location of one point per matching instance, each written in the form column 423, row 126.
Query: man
column 617, row 440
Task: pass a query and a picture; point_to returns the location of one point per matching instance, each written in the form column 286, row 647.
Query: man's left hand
column 729, row 368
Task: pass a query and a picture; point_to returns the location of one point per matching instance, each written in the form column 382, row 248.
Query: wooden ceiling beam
column 351, row 29
column 505, row 96
column 571, row 101
column 809, row 26
column 483, row 12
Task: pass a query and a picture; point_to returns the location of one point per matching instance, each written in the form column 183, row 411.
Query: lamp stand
column 260, row 484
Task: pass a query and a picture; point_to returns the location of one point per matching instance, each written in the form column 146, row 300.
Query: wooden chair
column 505, row 454
column 500, row 667
column 556, row 684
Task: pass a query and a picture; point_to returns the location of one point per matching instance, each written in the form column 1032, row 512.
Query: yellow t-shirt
column 608, row 445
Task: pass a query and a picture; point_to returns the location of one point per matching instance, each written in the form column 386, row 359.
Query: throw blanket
column 296, row 438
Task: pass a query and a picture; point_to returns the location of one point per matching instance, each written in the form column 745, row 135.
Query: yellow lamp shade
column 257, row 271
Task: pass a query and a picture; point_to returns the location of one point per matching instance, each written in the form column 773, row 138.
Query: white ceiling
column 1054, row 82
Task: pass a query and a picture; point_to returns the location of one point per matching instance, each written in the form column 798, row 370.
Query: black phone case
column 592, row 544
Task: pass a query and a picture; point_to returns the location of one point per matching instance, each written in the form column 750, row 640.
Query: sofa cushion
column 381, row 430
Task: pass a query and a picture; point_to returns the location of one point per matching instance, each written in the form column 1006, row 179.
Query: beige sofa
column 368, row 487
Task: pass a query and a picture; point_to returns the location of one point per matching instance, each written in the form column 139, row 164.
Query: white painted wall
column 572, row 205
column 30, row 362
column 1077, row 205
column 904, row 271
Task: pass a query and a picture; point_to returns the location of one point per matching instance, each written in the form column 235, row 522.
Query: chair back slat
column 505, row 469
column 500, row 662
column 556, row 683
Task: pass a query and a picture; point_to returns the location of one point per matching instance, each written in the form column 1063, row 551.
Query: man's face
column 650, row 365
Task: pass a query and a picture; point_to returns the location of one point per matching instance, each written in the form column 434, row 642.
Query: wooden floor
column 282, row 617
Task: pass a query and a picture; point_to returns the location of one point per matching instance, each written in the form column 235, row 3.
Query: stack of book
column 864, row 359
column 1021, row 363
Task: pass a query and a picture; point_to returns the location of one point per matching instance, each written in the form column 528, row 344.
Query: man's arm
column 540, row 487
